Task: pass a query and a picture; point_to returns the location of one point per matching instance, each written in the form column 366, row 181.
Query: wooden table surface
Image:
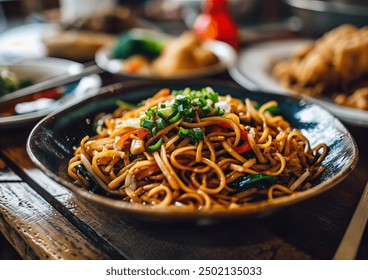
column 43, row 220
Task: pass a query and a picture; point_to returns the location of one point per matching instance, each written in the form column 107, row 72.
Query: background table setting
column 79, row 65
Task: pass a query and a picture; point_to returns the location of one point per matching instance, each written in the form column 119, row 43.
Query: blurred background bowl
column 318, row 17
column 241, row 10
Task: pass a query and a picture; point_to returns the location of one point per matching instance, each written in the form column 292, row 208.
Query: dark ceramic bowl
column 50, row 145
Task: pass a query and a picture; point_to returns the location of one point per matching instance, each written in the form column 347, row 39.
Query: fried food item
column 76, row 45
column 183, row 53
column 110, row 21
column 335, row 63
column 80, row 39
column 359, row 99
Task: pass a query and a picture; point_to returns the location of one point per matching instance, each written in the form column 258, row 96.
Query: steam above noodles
column 197, row 150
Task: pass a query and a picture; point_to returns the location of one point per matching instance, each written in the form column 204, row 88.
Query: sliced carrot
column 162, row 93
column 141, row 133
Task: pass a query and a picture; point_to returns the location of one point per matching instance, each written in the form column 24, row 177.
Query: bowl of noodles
column 171, row 151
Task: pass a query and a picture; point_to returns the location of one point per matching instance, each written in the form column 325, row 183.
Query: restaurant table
column 43, row 220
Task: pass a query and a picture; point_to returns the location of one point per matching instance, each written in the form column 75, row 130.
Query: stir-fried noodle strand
column 198, row 150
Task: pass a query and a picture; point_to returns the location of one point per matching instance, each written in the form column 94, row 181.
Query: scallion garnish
column 160, row 123
column 187, row 104
column 157, row 145
column 195, row 133
column 148, row 124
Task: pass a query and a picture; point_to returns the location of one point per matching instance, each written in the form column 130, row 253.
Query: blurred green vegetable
column 26, row 82
column 131, row 43
column 9, row 82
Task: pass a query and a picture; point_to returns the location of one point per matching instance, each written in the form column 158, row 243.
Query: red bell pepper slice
column 147, row 172
column 245, row 147
column 162, row 93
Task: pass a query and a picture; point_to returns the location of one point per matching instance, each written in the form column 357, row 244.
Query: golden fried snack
column 76, row 45
column 334, row 64
column 182, row 54
column 359, row 99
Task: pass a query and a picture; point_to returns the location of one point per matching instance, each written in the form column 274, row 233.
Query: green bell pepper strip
column 175, row 118
column 157, row 145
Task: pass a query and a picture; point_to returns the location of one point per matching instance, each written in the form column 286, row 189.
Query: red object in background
column 216, row 23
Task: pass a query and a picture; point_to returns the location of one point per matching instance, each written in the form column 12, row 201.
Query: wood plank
column 136, row 239
column 6, row 174
column 36, row 230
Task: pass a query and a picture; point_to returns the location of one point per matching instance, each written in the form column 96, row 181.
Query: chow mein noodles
column 195, row 149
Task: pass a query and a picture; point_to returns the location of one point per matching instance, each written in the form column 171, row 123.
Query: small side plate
column 42, row 69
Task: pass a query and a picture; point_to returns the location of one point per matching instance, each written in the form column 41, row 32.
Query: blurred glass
column 241, row 10
column 71, row 9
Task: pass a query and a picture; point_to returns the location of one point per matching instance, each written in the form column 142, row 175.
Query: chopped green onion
column 142, row 120
column 188, row 103
column 152, row 112
column 160, row 123
column 188, row 120
column 183, row 132
column 188, row 111
column 148, row 124
column 195, row 133
column 198, row 134
column 157, row 145
column 166, row 112
column 175, row 118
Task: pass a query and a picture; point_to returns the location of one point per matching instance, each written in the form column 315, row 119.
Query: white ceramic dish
column 24, row 42
column 43, row 69
column 253, row 71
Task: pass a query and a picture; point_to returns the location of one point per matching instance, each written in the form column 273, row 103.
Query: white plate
column 225, row 53
column 24, row 41
column 253, row 71
column 40, row 69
